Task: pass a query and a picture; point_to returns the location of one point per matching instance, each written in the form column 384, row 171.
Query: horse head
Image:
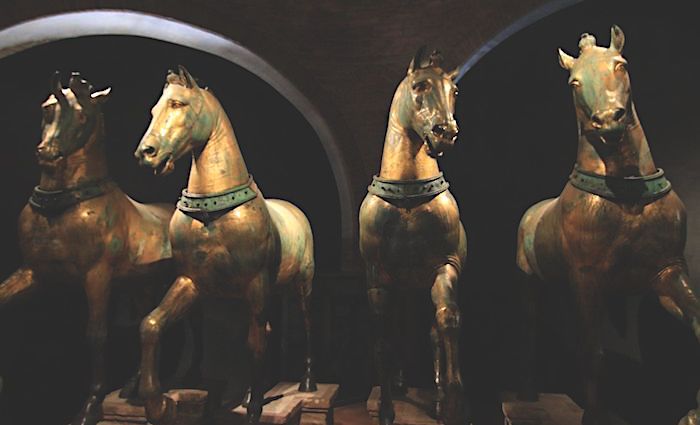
column 601, row 87
column 180, row 122
column 70, row 118
column 425, row 100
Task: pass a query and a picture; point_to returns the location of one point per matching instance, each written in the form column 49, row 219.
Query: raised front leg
column 97, row 291
column 379, row 299
column 682, row 299
column 308, row 382
column 444, row 295
column 180, row 297
column 258, row 298
column 20, row 283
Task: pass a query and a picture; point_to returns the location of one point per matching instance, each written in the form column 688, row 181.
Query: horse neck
column 404, row 157
column 630, row 157
column 219, row 165
column 85, row 165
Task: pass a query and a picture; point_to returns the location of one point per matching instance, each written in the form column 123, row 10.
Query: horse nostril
column 148, row 150
column 619, row 113
column 597, row 121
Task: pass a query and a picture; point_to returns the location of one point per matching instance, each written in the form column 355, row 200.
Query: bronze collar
column 635, row 188
column 204, row 204
column 53, row 201
column 408, row 189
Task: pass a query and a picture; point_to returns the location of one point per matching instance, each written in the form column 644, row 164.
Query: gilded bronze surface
column 416, row 242
column 241, row 253
column 97, row 242
column 605, row 246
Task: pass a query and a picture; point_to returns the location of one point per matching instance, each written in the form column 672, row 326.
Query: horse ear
column 452, row 75
column 101, row 96
column 617, row 38
column 417, row 60
column 56, row 89
column 565, row 60
column 187, row 77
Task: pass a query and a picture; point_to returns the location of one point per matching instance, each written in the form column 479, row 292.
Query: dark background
column 516, row 146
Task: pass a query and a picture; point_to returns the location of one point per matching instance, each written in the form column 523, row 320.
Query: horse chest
column 610, row 236
column 65, row 244
column 222, row 256
column 401, row 239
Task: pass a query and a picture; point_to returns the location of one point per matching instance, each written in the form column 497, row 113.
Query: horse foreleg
column 308, row 383
column 402, row 325
column 590, row 310
column 177, row 301
column 97, row 292
column 682, row 299
column 437, row 370
column 529, row 287
column 258, row 297
column 19, row 284
column 379, row 299
column 447, row 317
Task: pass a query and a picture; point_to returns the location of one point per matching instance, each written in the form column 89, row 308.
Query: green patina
column 214, row 202
column 621, row 188
column 58, row 200
column 408, row 189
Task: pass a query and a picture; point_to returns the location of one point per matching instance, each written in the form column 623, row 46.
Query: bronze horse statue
column 228, row 240
column 79, row 227
column 617, row 228
column 411, row 237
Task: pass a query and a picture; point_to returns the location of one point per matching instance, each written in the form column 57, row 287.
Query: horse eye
column 575, row 83
column 421, row 86
column 456, row 92
column 620, row 67
column 175, row 104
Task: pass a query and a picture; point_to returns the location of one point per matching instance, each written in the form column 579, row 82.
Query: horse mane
column 178, row 79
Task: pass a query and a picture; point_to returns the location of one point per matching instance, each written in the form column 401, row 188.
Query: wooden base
column 189, row 406
column 294, row 407
column 412, row 409
column 550, row 409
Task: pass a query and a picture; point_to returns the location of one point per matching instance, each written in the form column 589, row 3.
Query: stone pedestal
column 550, row 409
column 189, row 405
column 294, row 407
column 414, row 408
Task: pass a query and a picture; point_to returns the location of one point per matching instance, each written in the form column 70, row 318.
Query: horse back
column 148, row 231
column 296, row 261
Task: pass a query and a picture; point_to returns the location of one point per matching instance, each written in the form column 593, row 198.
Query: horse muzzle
column 440, row 138
column 150, row 156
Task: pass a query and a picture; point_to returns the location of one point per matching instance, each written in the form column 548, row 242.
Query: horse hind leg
column 308, row 382
column 447, row 317
column 379, row 300
column 681, row 298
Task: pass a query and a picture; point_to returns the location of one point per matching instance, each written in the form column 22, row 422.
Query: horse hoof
column 91, row 413
column 437, row 409
column 130, row 390
column 693, row 418
column 160, row 409
column 307, row 384
column 386, row 414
